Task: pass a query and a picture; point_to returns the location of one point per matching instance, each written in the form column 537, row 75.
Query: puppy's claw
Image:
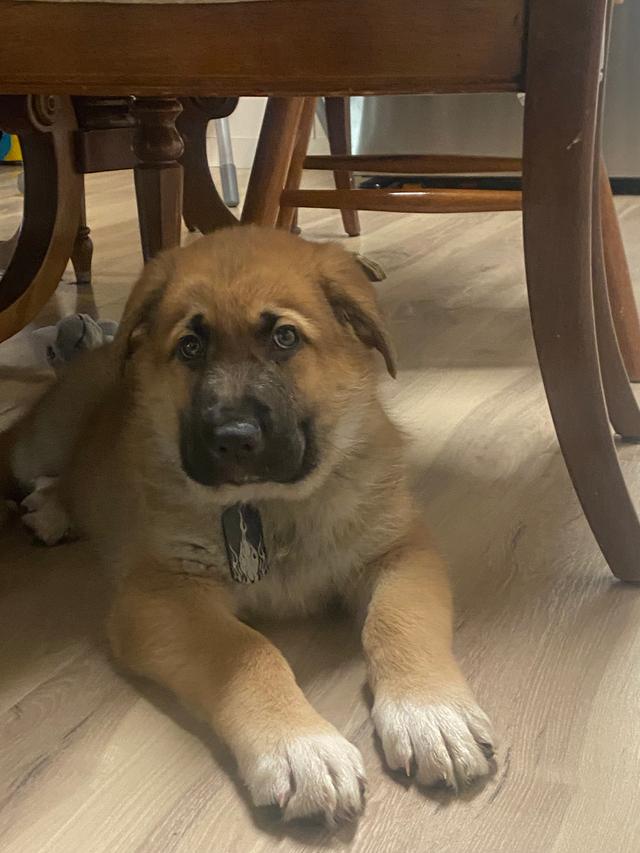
column 488, row 749
column 313, row 775
column 448, row 742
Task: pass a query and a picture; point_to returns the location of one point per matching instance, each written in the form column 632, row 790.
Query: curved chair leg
column 558, row 170
column 339, row 133
column 621, row 298
column 52, row 200
column 202, row 208
column 624, row 413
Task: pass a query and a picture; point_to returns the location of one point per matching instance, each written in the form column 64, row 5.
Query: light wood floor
column 91, row 762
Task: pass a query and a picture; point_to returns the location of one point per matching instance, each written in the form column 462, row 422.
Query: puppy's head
column 251, row 354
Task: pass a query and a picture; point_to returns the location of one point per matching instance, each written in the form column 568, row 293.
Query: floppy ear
column 353, row 300
column 141, row 307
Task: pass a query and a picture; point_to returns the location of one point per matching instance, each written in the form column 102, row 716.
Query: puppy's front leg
column 180, row 631
column 424, row 712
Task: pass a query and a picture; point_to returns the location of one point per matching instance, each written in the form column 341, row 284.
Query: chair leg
column 52, row 201
column 558, row 170
column 339, row 133
column 624, row 413
column 158, row 176
column 272, row 160
column 287, row 217
column 82, row 254
column 203, row 209
column 623, row 304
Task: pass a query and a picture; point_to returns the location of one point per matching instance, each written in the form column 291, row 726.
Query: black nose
column 237, row 440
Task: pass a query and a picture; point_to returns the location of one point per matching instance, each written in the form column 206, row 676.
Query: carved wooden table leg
column 158, row 176
column 203, row 209
column 52, row 201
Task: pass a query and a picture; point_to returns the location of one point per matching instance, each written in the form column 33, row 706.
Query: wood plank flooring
column 93, row 762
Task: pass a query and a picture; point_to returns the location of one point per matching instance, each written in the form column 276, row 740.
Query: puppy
column 229, row 456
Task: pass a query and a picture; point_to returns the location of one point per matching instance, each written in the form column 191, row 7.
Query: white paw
column 45, row 516
column 447, row 743
column 309, row 775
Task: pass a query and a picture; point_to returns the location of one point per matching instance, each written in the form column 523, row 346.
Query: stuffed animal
column 73, row 334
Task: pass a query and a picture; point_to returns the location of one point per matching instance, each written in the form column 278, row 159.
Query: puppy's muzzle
column 250, row 442
column 237, row 443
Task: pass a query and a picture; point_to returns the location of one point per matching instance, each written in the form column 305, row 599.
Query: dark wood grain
column 306, row 47
column 104, row 150
column 158, row 147
column 104, row 139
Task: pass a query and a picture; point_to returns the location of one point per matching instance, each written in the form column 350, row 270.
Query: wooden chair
column 292, row 49
column 62, row 140
column 567, row 205
column 349, row 201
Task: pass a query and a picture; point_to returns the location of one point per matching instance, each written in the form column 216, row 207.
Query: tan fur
column 349, row 529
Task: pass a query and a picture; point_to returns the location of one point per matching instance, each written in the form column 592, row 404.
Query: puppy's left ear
column 353, row 300
column 141, row 306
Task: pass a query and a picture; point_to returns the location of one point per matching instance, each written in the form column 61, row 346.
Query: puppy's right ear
column 141, row 308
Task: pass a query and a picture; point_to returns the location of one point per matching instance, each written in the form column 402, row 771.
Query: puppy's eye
column 285, row 337
column 190, row 347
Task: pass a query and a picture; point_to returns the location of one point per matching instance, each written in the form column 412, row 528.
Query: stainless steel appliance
column 492, row 124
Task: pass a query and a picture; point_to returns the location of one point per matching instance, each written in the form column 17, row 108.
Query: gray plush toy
column 72, row 335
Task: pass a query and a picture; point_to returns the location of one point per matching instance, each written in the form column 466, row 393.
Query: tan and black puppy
column 229, row 456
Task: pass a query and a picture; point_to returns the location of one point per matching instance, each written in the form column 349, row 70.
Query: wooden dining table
column 158, row 52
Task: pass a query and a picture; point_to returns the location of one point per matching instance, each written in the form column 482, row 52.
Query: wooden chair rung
column 406, row 201
column 413, row 164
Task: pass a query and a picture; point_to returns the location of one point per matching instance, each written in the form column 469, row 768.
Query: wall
column 245, row 124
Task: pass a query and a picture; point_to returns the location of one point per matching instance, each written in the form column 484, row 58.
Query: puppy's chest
column 307, row 561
